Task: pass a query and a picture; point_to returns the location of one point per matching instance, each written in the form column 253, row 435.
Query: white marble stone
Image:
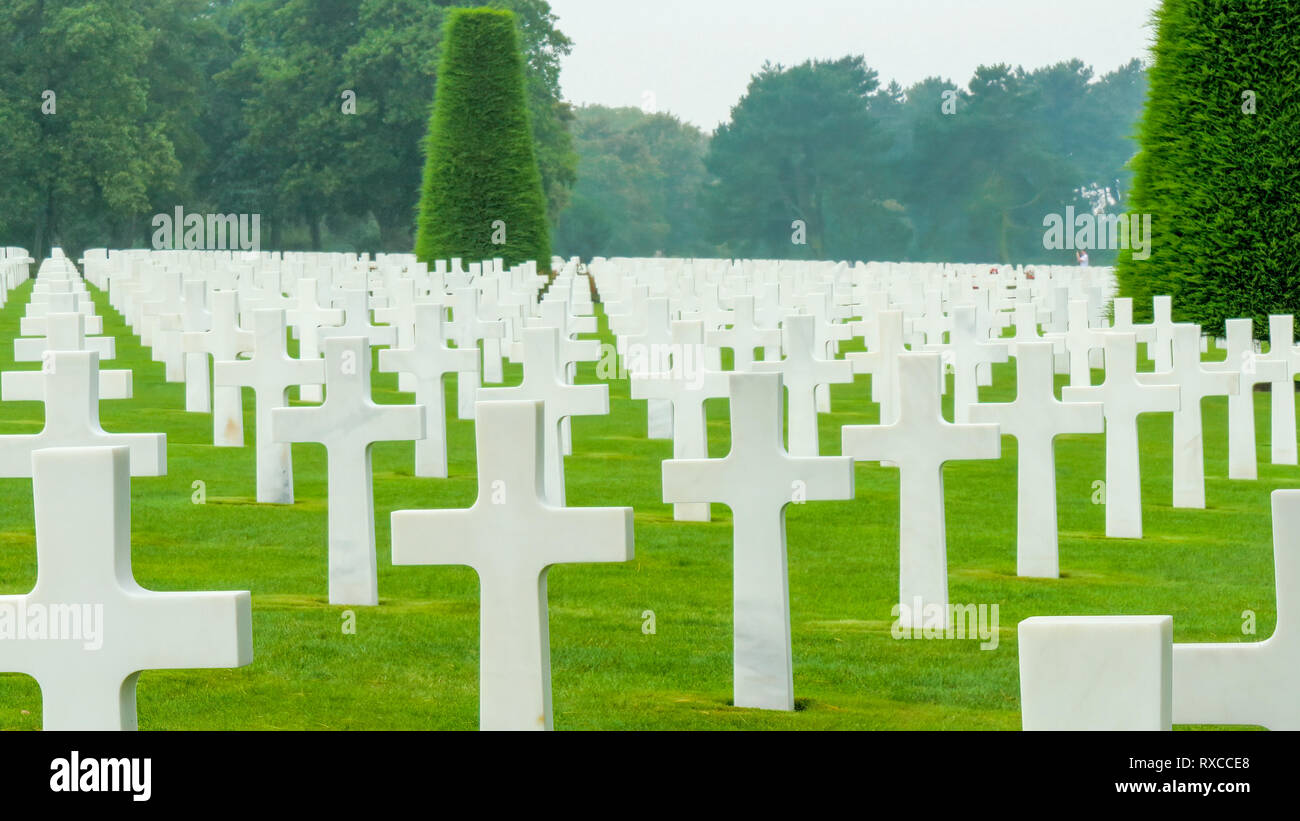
column 63, row 332
column 69, row 387
column 196, row 318
column 225, row 340
column 348, row 424
column 743, row 336
column 1281, row 335
column 1035, row 418
column 270, row 373
column 802, row 371
column 757, row 480
column 1251, row 682
column 427, row 361
column 544, row 380
column 1096, row 673
column 307, row 318
column 1194, row 382
column 687, row 385
column 511, row 537
column 83, row 551
column 1124, row 399
column 968, row 353
column 919, row 443
column 1243, row 359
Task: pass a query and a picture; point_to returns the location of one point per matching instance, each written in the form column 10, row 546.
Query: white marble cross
column 643, row 353
column 1162, row 352
column 969, row 352
column 1080, row 340
column 1251, row 369
column 1124, row 398
column 1281, row 348
column 356, row 322
column 1035, row 418
column 69, row 387
column 467, row 329
column 555, row 314
column 802, row 371
column 1194, row 382
column 744, row 335
column 225, row 341
column 688, row 385
column 109, row 627
column 1122, row 322
column 63, row 332
column 511, row 537
column 757, row 480
column 919, row 443
column 544, row 380
column 1251, row 683
column 427, row 361
column 270, row 373
column 308, row 317
column 348, row 424
column 196, row 318
column 881, row 362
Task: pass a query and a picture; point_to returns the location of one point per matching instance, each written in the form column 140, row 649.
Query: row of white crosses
column 516, row 680
column 87, row 629
column 919, row 444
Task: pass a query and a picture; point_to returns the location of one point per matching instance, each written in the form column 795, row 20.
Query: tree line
column 313, row 114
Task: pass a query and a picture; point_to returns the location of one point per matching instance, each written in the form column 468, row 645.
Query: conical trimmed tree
column 1216, row 169
column 482, row 196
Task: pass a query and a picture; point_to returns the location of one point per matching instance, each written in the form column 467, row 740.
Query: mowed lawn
column 413, row 661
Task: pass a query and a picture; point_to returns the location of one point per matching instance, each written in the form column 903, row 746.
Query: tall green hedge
column 1222, row 185
column 481, row 179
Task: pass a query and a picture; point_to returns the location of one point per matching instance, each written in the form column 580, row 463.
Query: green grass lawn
column 413, row 661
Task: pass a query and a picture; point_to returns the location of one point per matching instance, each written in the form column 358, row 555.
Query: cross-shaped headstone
column 1194, row 382
column 1124, row 398
column 1281, row 348
column 467, row 329
column 968, row 353
column 1251, row 682
column 757, row 480
column 544, row 380
column 308, row 317
column 225, row 341
column 1035, row 418
column 348, row 424
column 427, row 361
column 919, row 442
column 881, row 362
column 802, row 371
column 63, row 332
column 511, row 537
column 270, row 373
column 643, row 351
column 1251, row 369
column 744, row 335
column 196, row 318
column 1162, row 352
column 688, row 385
column 68, row 384
column 84, row 586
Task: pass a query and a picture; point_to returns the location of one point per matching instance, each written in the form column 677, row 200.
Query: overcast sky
column 696, row 56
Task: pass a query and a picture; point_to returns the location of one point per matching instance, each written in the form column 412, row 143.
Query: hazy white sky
column 696, row 56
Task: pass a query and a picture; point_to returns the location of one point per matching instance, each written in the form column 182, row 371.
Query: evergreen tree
column 482, row 196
